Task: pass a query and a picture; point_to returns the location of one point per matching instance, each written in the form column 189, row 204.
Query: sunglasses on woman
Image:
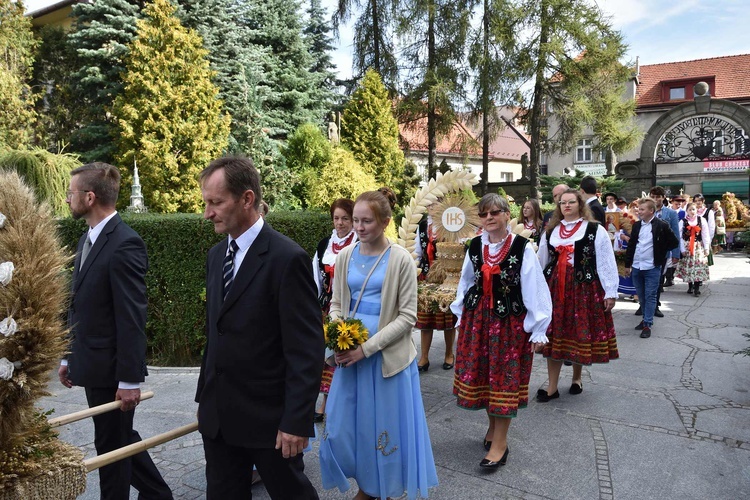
column 494, row 213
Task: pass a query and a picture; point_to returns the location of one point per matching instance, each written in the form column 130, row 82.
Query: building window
column 718, row 142
column 583, row 151
column 676, row 93
column 506, row 176
column 543, row 169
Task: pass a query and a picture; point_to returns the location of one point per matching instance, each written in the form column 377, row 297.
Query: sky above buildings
column 656, row 31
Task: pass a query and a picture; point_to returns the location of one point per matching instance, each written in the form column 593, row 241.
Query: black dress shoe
column 639, row 312
column 568, row 363
column 447, row 366
column 424, row 367
column 690, row 288
column 576, row 388
column 543, row 397
column 640, row 326
column 668, row 283
column 646, row 332
column 491, row 464
column 318, row 417
column 658, row 313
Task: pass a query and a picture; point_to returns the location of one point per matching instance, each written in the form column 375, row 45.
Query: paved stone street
column 669, row 419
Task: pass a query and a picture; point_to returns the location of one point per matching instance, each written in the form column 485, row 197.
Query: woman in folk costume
column 505, row 309
column 695, row 240
column 375, row 427
column 323, row 263
column 529, row 223
column 579, row 264
column 703, row 211
column 428, row 321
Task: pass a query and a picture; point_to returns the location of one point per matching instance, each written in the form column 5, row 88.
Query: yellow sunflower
column 345, row 340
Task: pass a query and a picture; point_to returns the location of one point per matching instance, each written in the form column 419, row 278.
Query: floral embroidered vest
column 584, row 259
column 424, row 241
column 325, row 278
column 686, row 230
column 506, row 286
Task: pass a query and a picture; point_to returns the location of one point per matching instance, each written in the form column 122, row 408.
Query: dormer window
column 676, row 93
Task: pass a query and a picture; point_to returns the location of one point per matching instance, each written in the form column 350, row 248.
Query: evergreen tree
column 434, row 40
column 17, row 47
column 373, row 36
column 58, row 113
column 286, row 88
column 342, row 177
column 169, row 117
column 102, row 31
column 370, row 131
column 318, row 35
column 573, row 58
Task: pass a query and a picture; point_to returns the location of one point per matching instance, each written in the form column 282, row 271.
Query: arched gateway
column 699, row 146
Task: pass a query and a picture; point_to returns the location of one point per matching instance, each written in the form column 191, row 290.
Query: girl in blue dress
column 375, row 428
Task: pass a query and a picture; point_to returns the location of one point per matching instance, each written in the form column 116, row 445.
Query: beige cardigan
column 398, row 308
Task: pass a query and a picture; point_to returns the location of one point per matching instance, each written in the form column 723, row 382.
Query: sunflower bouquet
column 342, row 335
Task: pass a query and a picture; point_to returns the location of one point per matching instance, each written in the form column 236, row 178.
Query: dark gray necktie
column 228, row 267
column 86, row 249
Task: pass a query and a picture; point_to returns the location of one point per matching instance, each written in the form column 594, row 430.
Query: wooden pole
column 90, row 412
column 132, row 449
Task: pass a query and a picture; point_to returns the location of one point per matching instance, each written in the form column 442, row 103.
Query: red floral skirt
column 493, row 362
column 325, row 382
column 435, row 321
column 580, row 331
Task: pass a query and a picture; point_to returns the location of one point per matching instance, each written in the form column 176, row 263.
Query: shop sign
column 592, row 169
column 726, row 166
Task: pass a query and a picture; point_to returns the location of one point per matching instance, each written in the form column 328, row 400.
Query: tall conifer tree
column 102, row 31
column 16, row 57
column 169, row 115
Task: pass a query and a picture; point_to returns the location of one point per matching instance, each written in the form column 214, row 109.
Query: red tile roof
column 731, row 73
column 507, row 145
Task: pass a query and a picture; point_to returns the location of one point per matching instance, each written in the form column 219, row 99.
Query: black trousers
column 229, row 471
column 114, row 430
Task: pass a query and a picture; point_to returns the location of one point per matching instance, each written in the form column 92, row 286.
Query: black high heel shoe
column 487, row 445
column 424, row 367
column 490, row 464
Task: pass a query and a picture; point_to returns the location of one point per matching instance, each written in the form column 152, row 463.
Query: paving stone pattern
column 669, row 419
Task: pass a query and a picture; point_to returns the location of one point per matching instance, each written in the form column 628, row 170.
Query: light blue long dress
column 375, row 428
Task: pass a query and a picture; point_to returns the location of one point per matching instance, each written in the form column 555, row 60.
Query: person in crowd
column 611, row 200
column 579, row 265
column 323, row 262
column 505, row 309
column 530, row 219
column 107, row 320
column 375, row 428
column 260, row 373
column 648, row 250
column 622, row 204
column 703, row 211
column 588, row 191
column 676, row 205
column 428, row 321
column 658, row 194
column 695, row 240
column 556, row 192
column 633, row 208
column 620, row 244
column 720, row 238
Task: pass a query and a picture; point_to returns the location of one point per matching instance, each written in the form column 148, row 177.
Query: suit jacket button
column 221, row 333
column 219, row 371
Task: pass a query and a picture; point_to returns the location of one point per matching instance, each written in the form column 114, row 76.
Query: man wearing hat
column 677, row 205
column 611, row 200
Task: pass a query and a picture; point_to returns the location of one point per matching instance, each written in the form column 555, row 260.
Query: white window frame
column 584, row 151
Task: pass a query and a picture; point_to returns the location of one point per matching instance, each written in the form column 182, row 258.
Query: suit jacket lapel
column 251, row 264
column 101, row 240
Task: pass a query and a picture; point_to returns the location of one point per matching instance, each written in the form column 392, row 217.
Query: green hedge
column 177, row 247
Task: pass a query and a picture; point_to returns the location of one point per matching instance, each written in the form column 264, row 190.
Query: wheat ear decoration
column 442, row 184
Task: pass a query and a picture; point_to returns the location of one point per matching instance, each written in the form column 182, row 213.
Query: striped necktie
column 228, row 268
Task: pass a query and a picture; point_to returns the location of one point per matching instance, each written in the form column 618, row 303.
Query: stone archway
column 642, row 173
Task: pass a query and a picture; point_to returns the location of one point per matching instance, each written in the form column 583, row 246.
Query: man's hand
column 62, row 374
column 609, row 304
column 129, row 397
column 290, row 445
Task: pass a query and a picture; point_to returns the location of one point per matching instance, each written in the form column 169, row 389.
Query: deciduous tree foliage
column 17, row 46
column 168, row 115
column 370, row 131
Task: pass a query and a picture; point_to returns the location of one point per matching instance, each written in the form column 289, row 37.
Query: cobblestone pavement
column 669, row 419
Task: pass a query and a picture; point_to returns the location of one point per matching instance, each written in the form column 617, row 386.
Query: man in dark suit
column 588, row 190
column 650, row 241
column 260, row 374
column 107, row 317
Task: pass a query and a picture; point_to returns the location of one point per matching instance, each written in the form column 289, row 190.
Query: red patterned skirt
column 325, row 382
column 493, row 362
column 435, row 321
column 580, row 331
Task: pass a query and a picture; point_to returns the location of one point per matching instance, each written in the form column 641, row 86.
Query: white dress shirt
column 643, row 258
